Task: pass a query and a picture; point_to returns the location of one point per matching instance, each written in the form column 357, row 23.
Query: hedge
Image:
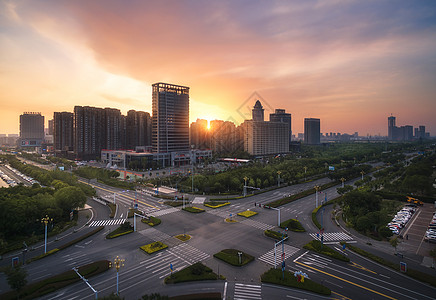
column 214, row 204
column 195, row 272
column 274, row 234
column 318, row 247
column 247, row 213
column 275, row 276
column 193, row 209
column 151, row 221
column 153, row 247
column 292, row 225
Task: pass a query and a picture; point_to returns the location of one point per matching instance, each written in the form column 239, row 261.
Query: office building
column 138, row 129
column 391, row 127
column 312, row 132
column 63, row 131
column 31, row 129
column 223, row 136
column 89, row 132
column 264, row 138
column 281, row 116
column 170, row 118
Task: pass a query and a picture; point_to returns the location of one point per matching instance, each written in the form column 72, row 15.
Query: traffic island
column 183, row 237
column 286, row 278
column 153, row 247
column 292, row 225
column 125, row 228
column 194, row 272
column 51, row 284
column 194, row 209
column 234, row 257
column 230, row 220
column 318, row 247
column 151, row 221
column 277, row 235
column 247, row 213
column 215, row 204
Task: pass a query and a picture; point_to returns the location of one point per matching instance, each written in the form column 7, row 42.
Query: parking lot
column 413, row 234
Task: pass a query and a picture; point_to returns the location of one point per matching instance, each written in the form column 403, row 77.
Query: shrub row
column 193, row 209
column 153, row 247
column 424, row 277
column 151, row 221
column 216, row 204
column 317, row 246
column 247, row 213
column 194, row 272
column 274, row 234
column 292, row 225
column 113, row 209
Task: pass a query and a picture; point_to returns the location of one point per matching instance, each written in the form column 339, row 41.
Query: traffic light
column 255, row 204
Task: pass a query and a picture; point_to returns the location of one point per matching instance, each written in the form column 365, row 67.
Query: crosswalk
column 107, row 222
column 269, row 256
column 220, row 213
column 247, row 291
column 332, row 236
column 198, row 200
column 188, row 254
column 154, row 234
column 164, row 212
column 258, row 225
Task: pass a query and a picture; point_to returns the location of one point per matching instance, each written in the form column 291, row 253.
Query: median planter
column 231, row 256
column 292, row 225
column 125, row 228
column 318, row 247
column 195, row 272
column 153, row 247
column 216, row 204
column 193, row 209
column 247, row 213
column 151, row 221
column 277, row 235
column 275, row 276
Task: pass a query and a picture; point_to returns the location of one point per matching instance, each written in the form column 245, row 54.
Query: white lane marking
column 225, row 291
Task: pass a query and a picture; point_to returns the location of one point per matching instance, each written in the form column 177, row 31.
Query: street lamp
column 362, row 173
column 46, row 220
column 305, row 171
column 343, row 180
column 278, row 178
column 192, row 162
column 245, row 185
column 118, row 263
column 317, row 189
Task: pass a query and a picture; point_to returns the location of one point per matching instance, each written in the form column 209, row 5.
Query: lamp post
column 245, row 185
column 305, row 171
column 343, row 180
column 278, row 178
column 118, row 263
column 192, row 162
column 362, row 173
column 46, row 220
column 317, row 189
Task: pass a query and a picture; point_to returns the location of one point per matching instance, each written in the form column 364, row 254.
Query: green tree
column 16, row 277
column 394, row 242
column 69, row 198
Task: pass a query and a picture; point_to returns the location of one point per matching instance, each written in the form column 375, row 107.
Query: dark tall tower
column 312, row 131
column 281, row 116
column 89, row 131
column 258, row 112
column 170, row 106
column 138, row 129
column 113, row 129
column 391, row 127
column 63, row 133
column 31, row 129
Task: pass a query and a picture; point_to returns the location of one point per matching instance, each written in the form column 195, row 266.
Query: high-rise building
column 170, row 107
column 89, row 132
column 50, row 127
column 312, row 131
column 31, row 129
column 281, row 116
column 199, row 134
column 258, row 112
column 223, row 137
column 264, row 138
column 113, row 129
column 63, row 131
column 138, row 132
column 391, row 127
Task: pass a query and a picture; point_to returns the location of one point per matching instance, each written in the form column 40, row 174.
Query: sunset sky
column 349, row 63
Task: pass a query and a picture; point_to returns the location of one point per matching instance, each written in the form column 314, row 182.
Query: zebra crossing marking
column 257, row 224
column 332, row 236
column 269, row 256
column 107, row 222
column 164, row 212
column 188, row 253
column 219, row 213
column 155, row 234
column 247, row 291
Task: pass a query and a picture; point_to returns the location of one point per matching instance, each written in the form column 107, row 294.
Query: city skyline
column 349, row 64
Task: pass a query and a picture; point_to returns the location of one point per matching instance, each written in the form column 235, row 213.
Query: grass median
column 292, row 225
column 231, row 256
column 195, row 272
column 318, row 247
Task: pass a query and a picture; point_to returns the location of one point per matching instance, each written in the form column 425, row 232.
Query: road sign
column 15, row 261
column 403, row 267
column 136, row 205
column 344, row 246
column 171, row 267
